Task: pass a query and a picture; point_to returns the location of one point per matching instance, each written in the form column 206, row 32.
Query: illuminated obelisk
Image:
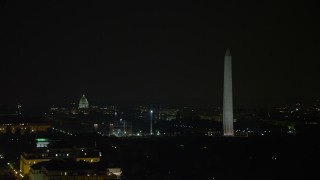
column 227, row 96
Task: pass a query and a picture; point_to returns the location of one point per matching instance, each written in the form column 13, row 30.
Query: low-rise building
column 70, row 169
column 28, row 159
column 20, row 124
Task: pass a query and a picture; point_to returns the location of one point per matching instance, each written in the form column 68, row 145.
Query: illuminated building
column 62, row 169
column 43, row 142
column 28, row 159
column 22, row 125
column 227, row 96
column 168, row 114
column 120, row 128
column 83, row 103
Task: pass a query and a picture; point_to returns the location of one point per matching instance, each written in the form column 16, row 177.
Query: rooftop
column 48, row 153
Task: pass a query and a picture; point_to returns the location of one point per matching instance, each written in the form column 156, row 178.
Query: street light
column 151, row 111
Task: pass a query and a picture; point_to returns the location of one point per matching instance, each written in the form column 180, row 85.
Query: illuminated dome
column 83, row 104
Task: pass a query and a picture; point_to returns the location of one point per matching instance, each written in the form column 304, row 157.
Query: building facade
column 83, row 103
column 75, row 170
column 28, row 159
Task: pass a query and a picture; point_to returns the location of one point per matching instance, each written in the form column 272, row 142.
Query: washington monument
column 227, row 96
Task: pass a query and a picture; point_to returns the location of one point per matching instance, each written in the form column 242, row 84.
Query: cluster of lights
column 244, row 131
column 291, row 132
column 64, row 132
column 120, row 133
column 16, row 172
column 100, row 133
column 213, row 133
column 192, row 127
column 139, row 133
column 274, row 158
column 184, row 126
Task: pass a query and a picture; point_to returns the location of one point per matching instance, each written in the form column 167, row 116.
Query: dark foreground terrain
column 218, row 158
column 194, row 157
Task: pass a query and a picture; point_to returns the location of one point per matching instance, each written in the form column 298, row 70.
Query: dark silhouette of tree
column 8, row 130
column 18, row 131
column 27, row 131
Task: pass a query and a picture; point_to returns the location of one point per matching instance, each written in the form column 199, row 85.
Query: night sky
column 158, row 52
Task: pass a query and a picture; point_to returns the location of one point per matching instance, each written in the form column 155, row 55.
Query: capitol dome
column 83, row 104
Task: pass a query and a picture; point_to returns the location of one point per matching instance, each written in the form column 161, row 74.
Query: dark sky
column 158, row 52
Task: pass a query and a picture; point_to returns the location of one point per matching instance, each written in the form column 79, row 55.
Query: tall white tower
column 227, row 96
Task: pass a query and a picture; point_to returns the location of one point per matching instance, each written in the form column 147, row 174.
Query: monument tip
column 228, row 52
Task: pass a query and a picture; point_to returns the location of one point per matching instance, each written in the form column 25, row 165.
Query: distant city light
column 41, row 139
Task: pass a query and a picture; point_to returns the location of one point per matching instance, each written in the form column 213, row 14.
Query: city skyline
column 159, row 90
